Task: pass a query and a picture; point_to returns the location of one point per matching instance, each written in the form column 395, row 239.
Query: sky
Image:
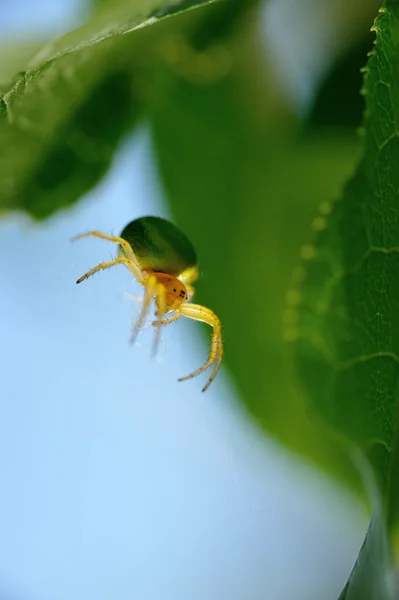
column 116, row 480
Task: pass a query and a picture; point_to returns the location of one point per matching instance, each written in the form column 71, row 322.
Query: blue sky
column 117, row 481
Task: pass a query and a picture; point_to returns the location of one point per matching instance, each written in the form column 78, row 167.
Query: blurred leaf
column 14, row 58
column 370, row 579
column 338, row 102
column 244, row 189
column 348, row 329
column 61, row 118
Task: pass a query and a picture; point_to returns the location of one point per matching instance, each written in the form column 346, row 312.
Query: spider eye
column 174, row 289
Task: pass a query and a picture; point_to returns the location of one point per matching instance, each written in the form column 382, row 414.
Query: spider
column 163, row 260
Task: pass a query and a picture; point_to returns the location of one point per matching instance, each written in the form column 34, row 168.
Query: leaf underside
column 63, row 115
column 348, row 314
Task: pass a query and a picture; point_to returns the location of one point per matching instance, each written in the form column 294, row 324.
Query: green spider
column 163, row 260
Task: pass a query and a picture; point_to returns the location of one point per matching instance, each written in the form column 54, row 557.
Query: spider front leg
column 150, row 289
column 158, row 324
column 160, row 300
column 107, row 265
column 201, row 313
column 162, row 322
column 129, row 259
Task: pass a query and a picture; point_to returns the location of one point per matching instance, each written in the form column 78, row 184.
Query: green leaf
column 337, row 102
column 348, row 328
column 244, row 188
column 14, row 58
column 340, row 88
column 63, row 114
column 370, row 579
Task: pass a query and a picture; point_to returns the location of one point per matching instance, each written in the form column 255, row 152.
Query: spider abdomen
column 160, row 246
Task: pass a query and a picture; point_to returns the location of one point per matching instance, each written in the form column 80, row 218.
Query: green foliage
column 348, row 327
column 62, row 115
column 245, row 180
column 248, row 212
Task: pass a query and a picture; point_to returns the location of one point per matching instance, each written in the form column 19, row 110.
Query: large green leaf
column 348, row 327
column 63, row 113
column 245, row 190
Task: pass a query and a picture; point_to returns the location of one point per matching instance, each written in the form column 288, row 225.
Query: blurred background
column 117, row 481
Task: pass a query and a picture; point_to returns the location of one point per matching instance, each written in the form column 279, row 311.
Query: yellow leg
column 200, row 313
column 190, row 292
column 161, row 304
column 189, row 276
column 174, row 317
column 135, row 267
column 150, row 289
column 106, row 265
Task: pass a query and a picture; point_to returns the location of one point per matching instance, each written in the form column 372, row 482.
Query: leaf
column 244, row 188
column 338, row 102
column 348, row 328
column 62, row 116
column 341, row 88
column 367, row 580
column 14, row 58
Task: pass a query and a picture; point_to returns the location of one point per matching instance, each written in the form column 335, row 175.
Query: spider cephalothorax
column 163, row 260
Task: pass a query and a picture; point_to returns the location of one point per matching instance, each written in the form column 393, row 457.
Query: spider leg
column 106, row 265
column 150, row 288
column 190, row 291
column 174, row 317
column 127, row 250
column 161, row 304
column 189, row 276
column 201, row 313
column 160, row 322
